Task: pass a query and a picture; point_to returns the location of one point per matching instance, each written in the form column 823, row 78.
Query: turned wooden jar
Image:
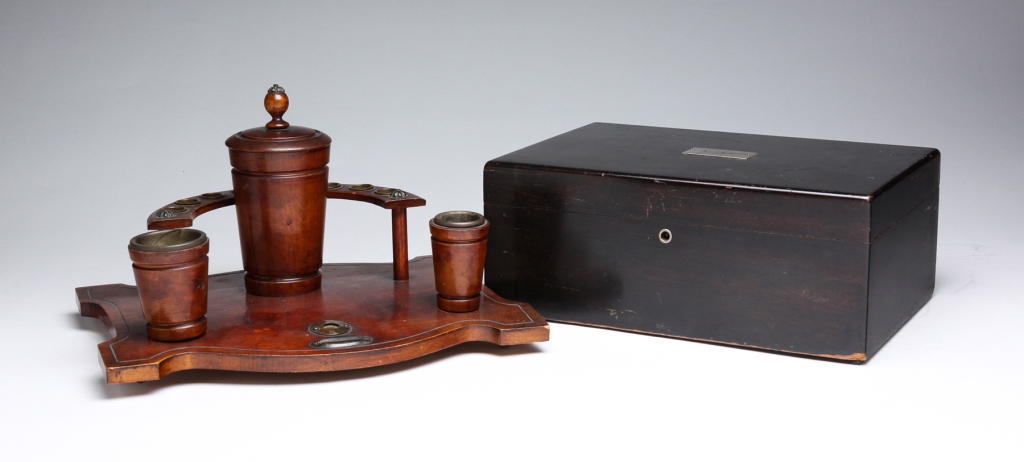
column 280, row 182
column 171, row 270
column 458, row 240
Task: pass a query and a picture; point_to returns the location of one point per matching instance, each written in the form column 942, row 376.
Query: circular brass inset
column 168, row 240
column 384, row 191
column 459, row 219
column 361, row 187
column 333, row 185
column 176, row 209
column 213, row 195
column 665, row 236
column 189, row 201
column 330, row 328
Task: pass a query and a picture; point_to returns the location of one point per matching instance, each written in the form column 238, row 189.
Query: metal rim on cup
column 168, row 240
column 459, row 219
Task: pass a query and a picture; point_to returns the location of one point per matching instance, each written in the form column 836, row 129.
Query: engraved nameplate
column 741, row 155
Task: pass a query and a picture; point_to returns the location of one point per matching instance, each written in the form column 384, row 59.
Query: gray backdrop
column 112, row 109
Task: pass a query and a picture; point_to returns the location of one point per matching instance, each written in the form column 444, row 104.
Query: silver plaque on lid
column 707, row 152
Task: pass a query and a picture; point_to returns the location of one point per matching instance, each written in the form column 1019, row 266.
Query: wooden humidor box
column 813, row 247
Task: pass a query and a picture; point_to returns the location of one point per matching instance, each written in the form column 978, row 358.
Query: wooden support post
column 400, row 244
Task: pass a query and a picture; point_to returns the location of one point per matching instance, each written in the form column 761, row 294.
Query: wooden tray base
column 271, row 334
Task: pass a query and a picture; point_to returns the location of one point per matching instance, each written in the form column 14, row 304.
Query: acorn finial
column 276, row 103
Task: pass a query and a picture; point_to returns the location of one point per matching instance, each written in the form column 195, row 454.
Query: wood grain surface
column 271, row 334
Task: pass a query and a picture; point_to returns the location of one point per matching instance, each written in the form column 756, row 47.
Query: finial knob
column 276, row 103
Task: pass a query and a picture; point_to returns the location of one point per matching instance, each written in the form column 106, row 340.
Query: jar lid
column 277, row 135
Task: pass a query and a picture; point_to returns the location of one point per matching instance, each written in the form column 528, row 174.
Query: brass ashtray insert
column 330, row 328
column 175, row 209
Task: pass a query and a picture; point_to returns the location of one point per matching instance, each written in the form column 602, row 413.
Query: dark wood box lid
column 798, row 164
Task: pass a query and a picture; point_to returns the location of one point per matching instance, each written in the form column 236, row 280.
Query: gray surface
column 112, row 109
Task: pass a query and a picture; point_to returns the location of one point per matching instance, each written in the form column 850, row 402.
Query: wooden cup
column 171, row 270
column 459, row 244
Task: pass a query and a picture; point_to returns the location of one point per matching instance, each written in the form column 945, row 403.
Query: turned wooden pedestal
column 399, row 320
